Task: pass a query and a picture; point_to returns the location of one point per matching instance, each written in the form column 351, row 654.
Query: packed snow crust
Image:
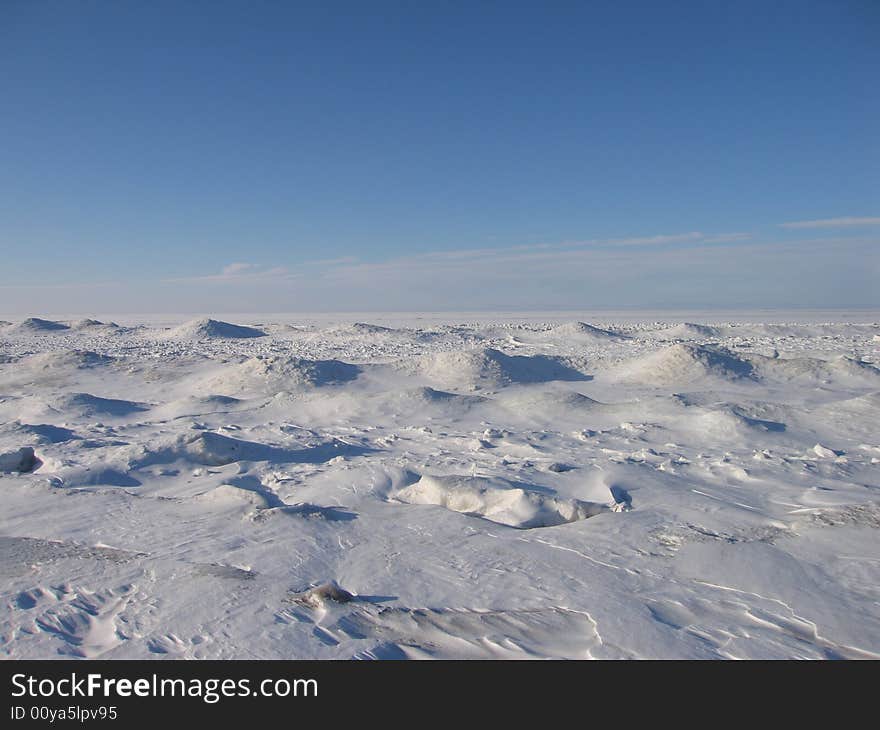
column 439, row 486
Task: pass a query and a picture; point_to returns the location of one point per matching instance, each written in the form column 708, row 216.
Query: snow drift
column 583, row 332
column 685, row 364
column 688, row 331
column 795, row 369
column 209, row 329
column 63, row 360
column 88, row 405
column 272, row 374
column 498, row 500
column 490, row 368
column 35, row 325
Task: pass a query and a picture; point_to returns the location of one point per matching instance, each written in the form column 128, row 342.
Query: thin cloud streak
column 605, row 249
column 821, row 271
column 492, row 265
column 595, row 243
column 833, row 223
column 243, row 272
column 239, row 273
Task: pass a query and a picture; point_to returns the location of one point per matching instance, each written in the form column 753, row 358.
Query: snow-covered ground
column 500, row 486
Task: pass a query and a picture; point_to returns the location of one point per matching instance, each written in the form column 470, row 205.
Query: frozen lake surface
column 469, row 485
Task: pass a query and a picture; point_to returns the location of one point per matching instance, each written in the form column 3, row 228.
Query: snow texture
column 440, row 486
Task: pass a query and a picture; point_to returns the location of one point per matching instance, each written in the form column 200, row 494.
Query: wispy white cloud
column 650, row 240
column 733, row 271
column 685, row 239
column 554, row 262
column 333, row 262
column 239, row 272
column 707, row 270
column 656, row 240
column 727, row 238
column 453, row 262
column 833, row 223
column 237, row 268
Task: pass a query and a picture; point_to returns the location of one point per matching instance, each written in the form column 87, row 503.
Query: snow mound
column 34, row 325
column 195, row 405
column 491, row 368
column 548, row 401
column 413, row 399
column 209, row 329
column 94, row 324
column 813, row 369
column 229, row 495
column 373, row 334
column 42, row 433
column 688, row 331
column 97, row 475
column 498, row 500
column 215, row 449
column 683, row 364
column 430, row 395
column 363, row 328
column 65, row 360
column 86, row 404
column 583, row 331
column 728, row 421
column 278, row 373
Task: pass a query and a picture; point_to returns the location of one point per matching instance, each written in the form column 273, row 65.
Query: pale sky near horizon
column 272, row 156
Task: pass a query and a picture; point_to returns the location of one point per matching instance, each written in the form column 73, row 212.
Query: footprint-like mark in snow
column 87, row 623
column 170, row 644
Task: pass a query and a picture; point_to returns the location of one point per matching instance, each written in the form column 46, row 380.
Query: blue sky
column 277, row 156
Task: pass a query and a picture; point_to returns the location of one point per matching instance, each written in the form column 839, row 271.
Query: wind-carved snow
column 684, row 364
column 500, row 501
column 439, row 486
column 212, row 328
